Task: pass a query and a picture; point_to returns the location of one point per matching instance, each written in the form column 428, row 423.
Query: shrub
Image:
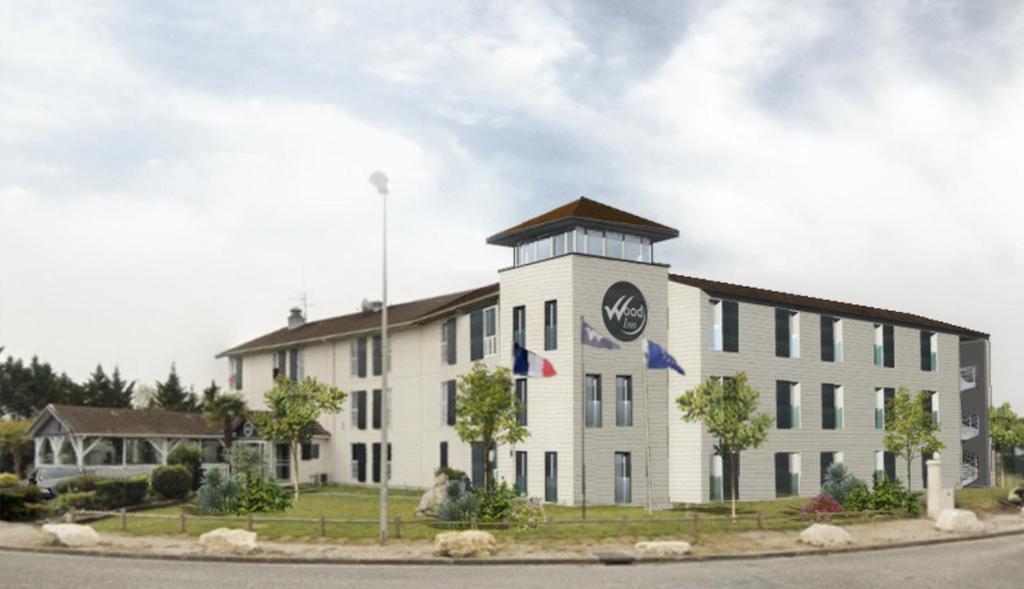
column 122, row 492
column 262, row 495
column 8, row 479
column 839, row 482
column 191, row 457
column 497, row 505
column 453, row 474
column 246, row 462
column 526, row 514
column 460, row 504
column 78, row 500
column 21, row 503
column 79, row 484
column 172, row 482
column 886, row 495
column 218, row 494
column 821, row 508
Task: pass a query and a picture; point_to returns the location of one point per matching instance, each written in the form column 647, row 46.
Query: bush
column 886, row 495
column 8, row 479
column 821, row 508
column 122, row 492
column 79, row 484
column 453, row 474
column 21, row 503
column 839, row 482
column 526, row 514
column 497, row 505
column 191, row 457
column 460, row 504
column 218, row 494
column 172, row 482
column 78, row 500
column 262, row 495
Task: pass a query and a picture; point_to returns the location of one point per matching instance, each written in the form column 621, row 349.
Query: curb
column 593, row 560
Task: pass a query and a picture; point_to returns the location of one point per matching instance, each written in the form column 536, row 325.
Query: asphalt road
column 981, row 563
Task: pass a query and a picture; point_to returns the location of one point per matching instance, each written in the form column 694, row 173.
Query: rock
column 825, row 536
column 228, row 541
column 73, row 535
column 434, row 496
column 468, row 544
column 959, row 521
column 662, row 549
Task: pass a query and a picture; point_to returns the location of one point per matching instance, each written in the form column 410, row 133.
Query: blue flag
column 591, row 337
column 657, row 357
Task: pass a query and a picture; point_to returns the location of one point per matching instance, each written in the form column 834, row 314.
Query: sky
column 174, row 175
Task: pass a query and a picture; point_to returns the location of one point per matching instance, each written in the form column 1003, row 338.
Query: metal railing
column 969, row 424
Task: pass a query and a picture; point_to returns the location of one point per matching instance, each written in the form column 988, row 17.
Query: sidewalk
column 722, row 545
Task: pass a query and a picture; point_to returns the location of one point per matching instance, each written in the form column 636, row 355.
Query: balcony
column 969, row 424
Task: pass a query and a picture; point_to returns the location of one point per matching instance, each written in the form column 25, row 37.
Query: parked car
column 48, row 477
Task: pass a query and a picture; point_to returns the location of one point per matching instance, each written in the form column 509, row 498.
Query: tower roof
column 587, row 212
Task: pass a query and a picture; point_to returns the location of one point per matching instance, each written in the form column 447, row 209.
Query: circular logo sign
column 625, row 311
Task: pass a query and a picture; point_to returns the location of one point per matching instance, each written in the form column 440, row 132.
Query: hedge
column 172, row 482
column 124, row 492
column 21, row 503
column 78, row 484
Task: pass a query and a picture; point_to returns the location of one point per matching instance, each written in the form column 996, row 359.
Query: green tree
column 121, row 391
column 27, row 389
column 910, row 428
column 211, row 392
column 170, row 395
column 15, row 441
column 1007, row 433
column 293, row 411
column 486, row 411
column 224, row 410
column 728, row 409
column 103, row 391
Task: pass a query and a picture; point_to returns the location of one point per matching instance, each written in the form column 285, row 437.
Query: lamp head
column 380, row 180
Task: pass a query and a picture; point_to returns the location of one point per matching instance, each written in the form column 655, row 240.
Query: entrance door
column 477, row 451
column 282, row 462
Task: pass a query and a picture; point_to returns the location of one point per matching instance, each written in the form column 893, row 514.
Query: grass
column 361, row 503
column 986, row 498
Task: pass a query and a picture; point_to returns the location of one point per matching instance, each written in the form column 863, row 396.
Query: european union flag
column 657, row 357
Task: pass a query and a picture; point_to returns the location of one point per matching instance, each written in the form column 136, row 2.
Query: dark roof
column 796, row 301
column 586, row 210
column 400, row 314
column 103, row 420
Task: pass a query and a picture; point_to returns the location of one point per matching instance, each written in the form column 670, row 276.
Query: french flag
column 526, row 363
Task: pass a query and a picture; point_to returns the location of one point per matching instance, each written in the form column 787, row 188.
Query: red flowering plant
column 821, row 508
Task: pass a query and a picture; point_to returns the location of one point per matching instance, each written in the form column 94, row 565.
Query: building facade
column 824, row 370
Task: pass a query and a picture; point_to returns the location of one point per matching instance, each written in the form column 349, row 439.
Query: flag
column 526, row 363
column 590, row 337
column 657, row 357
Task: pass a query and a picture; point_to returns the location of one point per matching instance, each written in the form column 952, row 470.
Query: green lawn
column 986, row 499
column 361, row 503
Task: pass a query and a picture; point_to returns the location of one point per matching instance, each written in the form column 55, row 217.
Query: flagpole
column 583, row 424
column 647, row 434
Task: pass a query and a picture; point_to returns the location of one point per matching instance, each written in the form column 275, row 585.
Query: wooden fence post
column 760, row 520
column 183, row 527
column 248, row 522
column 398, row 528
column 323, row 526
column 124, row 520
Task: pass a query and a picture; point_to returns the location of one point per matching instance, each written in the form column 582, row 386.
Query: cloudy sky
column 171, row 177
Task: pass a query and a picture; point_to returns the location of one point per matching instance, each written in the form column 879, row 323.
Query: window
column 521, row 401
column 359, row 409
column 634, row 249
column 725, row 326
column 136, row 451
column 213, row 452
column 544, row 248
column 377, row 358
column 358, row 472
column 551, row 325
column 925, row 457
column 613, row 245
column 236, row 373
column 826, row 460
column 519, row 325
column 521, row 486
column 887, row 395
column 931, row 406
column 787, row 333
column 595, row 242
column 831, row 406
column 483, row 333
column 623, row 478
column 559, row 243
column 885, row 353
column 448, row 402
column 280, row 363
column 715, row 479
column 282, row 462
column 787, row 404
column 623, row 400
column 295, row 364
column 360, row 344
column 376, row 462
column 353, row 358
column 551, row 477
column 490, row 331
column 831, row 339
column 593, row 388
column 377, row 408
column 929, row 355
column 880, row 463
column 105, row 451
column 444, row 455
column 448, row 355
column 787, row 474
column 310, row 451
column 889, row 460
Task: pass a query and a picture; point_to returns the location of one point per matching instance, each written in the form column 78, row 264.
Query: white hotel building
column 824, row 370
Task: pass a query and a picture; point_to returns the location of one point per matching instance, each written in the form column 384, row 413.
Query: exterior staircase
column 968, row 468
column 968, row 426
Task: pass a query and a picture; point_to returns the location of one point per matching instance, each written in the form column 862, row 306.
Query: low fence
column 688, row 522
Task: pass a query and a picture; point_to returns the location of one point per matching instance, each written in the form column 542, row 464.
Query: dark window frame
column 551, row 325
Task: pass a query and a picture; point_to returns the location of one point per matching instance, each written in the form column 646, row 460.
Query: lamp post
column 380, row 181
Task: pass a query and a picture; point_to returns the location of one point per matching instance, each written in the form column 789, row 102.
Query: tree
column 211, row 392
column 224, row 410
column 121, row 392
column 103, row 391
column 910, row 428
column 728, row 409
column 27, row 389
column 293, row 411
column 15, row 441
column 486, row 411
column 171, row 396
column 1007, row 432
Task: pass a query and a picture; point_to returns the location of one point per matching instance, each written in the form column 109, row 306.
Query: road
column 980, row 563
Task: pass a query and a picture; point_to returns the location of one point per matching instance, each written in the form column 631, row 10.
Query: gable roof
column 398, row 315
column 119, row 421
column 796, row 301
column 589, row 211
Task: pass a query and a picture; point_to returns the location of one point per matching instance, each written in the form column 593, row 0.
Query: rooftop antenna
column 303, row 299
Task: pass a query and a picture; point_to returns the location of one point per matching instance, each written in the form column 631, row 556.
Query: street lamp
column 380, row 181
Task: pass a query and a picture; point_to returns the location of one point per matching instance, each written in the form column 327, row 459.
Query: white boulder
column 228, row 541
column 434, row 496
column 959, row 521
column 825, row 536
column 671, row 549
column 467, row 544
column 73, row 535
